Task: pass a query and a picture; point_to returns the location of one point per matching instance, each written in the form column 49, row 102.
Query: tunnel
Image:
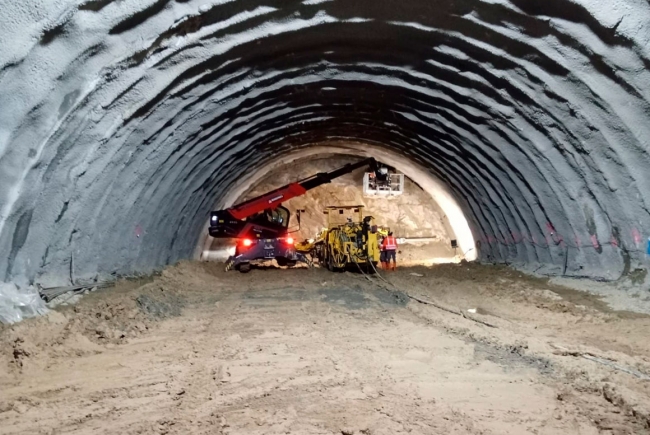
column 124, row 123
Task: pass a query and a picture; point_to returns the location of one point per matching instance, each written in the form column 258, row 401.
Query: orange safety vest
column 389, row 243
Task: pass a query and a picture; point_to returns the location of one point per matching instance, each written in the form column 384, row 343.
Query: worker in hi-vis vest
column 388, row 250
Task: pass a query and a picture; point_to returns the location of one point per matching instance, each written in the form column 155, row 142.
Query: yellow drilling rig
column 350, row 239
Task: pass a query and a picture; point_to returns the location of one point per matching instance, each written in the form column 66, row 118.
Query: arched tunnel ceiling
column 123, row 122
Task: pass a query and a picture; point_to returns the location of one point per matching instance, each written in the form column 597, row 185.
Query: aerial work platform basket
column 393, row 185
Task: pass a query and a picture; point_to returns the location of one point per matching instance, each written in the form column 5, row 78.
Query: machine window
column 278, row 216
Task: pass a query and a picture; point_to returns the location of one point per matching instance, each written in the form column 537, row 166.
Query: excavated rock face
column 123, row 122
column 412, row 214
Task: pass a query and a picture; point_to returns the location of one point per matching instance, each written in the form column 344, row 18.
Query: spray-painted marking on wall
column 555, row 239
column 594, row 241
column 516, row 236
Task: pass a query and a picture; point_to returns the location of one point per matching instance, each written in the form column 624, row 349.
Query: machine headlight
column 214, row 218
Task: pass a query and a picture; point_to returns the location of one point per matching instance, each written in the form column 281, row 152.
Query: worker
column 268, row 214
column 389, row 248
column 381, row 177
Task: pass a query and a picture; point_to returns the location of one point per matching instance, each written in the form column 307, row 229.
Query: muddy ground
column 200, row 351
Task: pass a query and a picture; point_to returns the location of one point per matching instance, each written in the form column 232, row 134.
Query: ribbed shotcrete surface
column 123, row 123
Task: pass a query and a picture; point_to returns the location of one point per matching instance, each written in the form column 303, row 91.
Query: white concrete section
column 416, row 240
column 429, row 183
column 220, row 254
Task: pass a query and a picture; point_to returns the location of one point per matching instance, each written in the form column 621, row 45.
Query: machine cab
column 276, row 218
column 266, row 224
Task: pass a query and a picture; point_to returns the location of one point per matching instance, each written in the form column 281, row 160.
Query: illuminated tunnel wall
column 123, row 122
column 434, row 187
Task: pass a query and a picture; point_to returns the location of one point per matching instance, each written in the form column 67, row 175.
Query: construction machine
column 261, row 224
column 343, row 244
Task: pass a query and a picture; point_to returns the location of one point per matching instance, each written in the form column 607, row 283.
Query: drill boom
column 274, row 198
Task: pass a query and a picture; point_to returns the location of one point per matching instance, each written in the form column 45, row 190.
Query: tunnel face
column 421, row 225
column 301, row 164
column 123, row 123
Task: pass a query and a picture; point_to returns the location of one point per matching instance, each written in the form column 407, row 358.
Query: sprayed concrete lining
column 124, row 122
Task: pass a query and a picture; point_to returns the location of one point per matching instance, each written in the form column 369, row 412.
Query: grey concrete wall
column 123, row 122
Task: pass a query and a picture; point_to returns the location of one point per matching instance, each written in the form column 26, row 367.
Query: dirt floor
column 200, row 351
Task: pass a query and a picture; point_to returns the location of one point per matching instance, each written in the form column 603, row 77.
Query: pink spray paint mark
column 614, row 241
column 138, row 231
column 554, row 238
column 594, row 241
column 636, row 235
column 515, row 236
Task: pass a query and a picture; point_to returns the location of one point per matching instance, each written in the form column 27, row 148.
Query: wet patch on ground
column 391, row 297
column 597, row 302
column 284, row 295
column 356, row 299
column 171, row 307
column 511, row 357
column 349, row 298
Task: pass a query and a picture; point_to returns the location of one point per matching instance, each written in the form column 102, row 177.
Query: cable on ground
column 458, row 312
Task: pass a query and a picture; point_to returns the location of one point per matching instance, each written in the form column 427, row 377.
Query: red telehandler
column 261, row 224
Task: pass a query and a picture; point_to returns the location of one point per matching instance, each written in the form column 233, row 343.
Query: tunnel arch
column 124, row 122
